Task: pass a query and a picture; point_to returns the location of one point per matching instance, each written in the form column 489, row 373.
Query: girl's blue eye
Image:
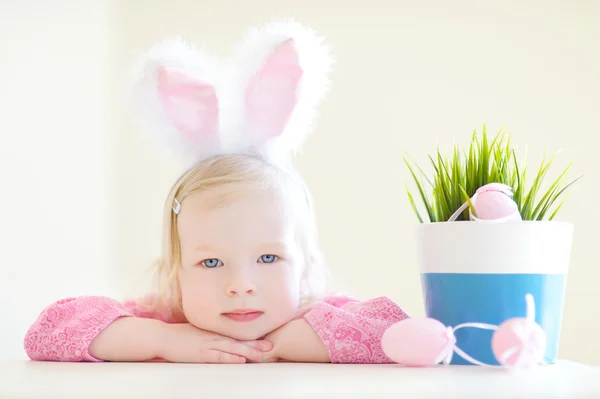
column 211, row 263
column 267, row 258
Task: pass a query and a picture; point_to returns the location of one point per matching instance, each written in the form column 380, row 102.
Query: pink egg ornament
column 493, row 202
column 519, row 342
column 417, row 342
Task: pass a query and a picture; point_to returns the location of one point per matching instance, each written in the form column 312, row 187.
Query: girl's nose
column 241, row 284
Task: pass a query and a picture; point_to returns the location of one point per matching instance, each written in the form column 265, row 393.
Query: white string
column 505, row 189
column 460, row 210
column 522, row 357
column 461, row 353
column 446, row 353
column 530, row 306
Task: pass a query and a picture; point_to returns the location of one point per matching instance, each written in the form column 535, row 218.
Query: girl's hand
column 136, row 339
column 184, row 343
column 296, row 341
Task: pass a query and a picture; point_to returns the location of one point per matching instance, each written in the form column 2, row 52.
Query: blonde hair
column 240, row 172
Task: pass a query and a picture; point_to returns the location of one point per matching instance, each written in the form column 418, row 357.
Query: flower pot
column 481, row 272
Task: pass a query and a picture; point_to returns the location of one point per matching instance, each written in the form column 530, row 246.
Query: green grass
column 457, row 177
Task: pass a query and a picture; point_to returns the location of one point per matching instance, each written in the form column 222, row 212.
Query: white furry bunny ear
column 285, row 68
column 176, row 97
column 263, row 99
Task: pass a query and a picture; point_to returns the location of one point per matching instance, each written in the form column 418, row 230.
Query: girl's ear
column 271, row 93
column 176, row 97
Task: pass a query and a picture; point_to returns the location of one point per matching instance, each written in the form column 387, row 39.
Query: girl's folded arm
column 351, row 330
column 66, row 330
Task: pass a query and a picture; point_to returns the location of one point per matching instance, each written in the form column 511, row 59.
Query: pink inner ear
column 190, row 104
column 271, row 92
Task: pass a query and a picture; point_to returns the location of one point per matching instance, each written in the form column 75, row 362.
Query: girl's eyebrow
column 276, row 243
column 203, row 247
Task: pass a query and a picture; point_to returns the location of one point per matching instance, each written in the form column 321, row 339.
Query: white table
column 40, row 380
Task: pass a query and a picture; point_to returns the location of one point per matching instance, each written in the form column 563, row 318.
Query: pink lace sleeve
column 64, row 330
column 352, row 330
column 142, row 308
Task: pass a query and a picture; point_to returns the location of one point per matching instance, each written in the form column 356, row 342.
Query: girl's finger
column 238, row 348
column 216, row 356
column 263, row 345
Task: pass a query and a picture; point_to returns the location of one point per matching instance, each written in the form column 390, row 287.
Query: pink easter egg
column 519, row 337
column 491, row 205
column 416, row 342
column 494, row 187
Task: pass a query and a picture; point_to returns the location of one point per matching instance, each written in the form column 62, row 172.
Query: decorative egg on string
column 417, row 342
column 519, row 342
column 493, row 202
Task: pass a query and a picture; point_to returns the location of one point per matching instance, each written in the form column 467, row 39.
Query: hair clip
column 177, row 206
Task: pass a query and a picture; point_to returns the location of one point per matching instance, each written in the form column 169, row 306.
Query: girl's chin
column 240, row 333
column 247, row 334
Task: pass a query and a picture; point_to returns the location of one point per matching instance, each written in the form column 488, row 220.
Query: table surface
column 27, row 379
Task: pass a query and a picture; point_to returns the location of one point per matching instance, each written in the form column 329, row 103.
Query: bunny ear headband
column 262, row 100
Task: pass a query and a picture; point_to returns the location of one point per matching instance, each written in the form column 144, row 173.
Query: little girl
column 241, row 276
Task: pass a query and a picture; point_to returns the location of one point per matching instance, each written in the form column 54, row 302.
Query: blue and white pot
column 481, row 272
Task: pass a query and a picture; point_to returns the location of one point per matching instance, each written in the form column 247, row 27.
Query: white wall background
column 57, row 159
column 85, row 219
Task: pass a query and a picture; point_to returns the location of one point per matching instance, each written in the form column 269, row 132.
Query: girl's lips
column 243, row 316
